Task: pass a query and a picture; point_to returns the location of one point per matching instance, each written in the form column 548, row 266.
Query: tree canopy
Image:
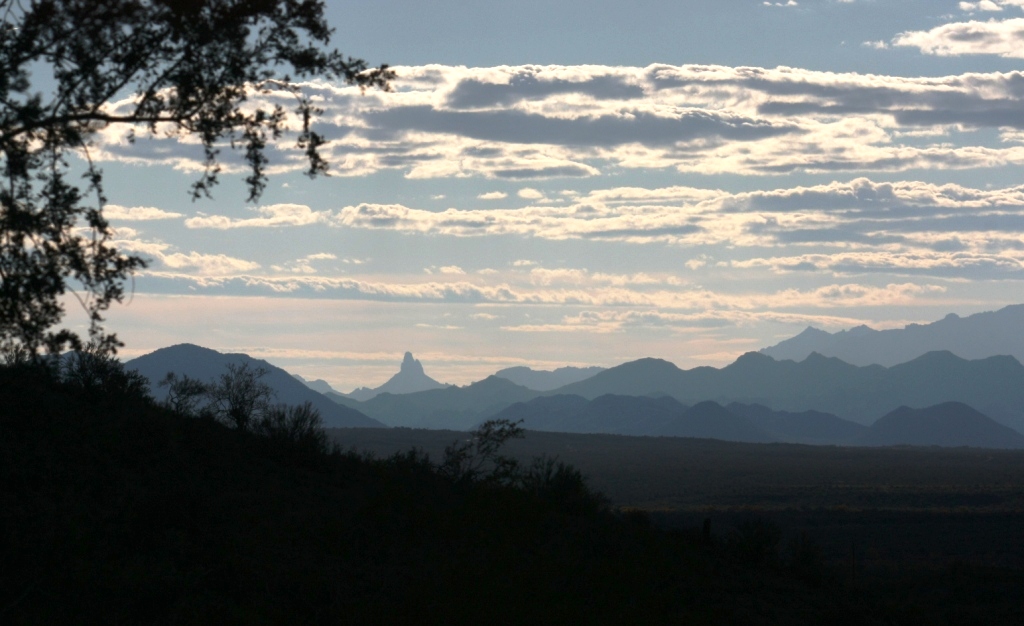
column 187, row 67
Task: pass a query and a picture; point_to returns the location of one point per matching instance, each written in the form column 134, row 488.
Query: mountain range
column 974, row 337
column 798, row 394
column 946, row 424
column 994, row 385
column 934, row 398
column 456, row 408
column 207, row 365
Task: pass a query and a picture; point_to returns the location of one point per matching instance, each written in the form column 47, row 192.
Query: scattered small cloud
column 493, row 195
column 529, row 193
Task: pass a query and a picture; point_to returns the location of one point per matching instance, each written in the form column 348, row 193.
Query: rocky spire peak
column 411, row 365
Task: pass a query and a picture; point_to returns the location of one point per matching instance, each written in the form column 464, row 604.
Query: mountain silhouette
column 946, row 424
column 409, row 379
column 318, row 385
column 207, row 365
column 544, row 380
column 710, row 420
column 457, row 408
column 973, row 337
column 809, row 427
column 995, row 385
column 608, row 414
column 633, row 415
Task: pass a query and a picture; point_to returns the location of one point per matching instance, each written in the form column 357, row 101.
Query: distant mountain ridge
column 206, row 365
column 946, row 424
column 973, row 337
column 457, row 408
column 545, row 380
column 633, row 415
column 318, row 385
column 410, row 379
column 994, row 385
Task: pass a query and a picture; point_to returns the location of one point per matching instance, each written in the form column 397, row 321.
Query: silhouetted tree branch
column 176, row 68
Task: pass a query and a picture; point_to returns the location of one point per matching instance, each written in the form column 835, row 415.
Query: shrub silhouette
column 100, row 375
column 186, row 396
column 300, row 426
column 477, row 459
column 239, row 397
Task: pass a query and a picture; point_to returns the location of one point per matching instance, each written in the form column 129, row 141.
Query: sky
column 589, row 183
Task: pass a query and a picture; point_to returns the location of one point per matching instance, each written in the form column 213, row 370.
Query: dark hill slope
column 117, row 511
column 207, row 365
column 946, row 424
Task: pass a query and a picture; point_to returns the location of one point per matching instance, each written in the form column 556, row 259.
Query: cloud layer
column 540, row 122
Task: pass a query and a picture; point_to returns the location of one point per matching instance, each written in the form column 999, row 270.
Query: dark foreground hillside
column 113, row 510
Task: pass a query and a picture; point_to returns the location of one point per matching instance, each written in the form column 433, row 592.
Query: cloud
column 525, row 84
column 541, row 122
column 983, row 5
column 305, row 264
column 844, row 226
column 997, row 37
column 208, row 264
column 511, row 126
column 192, row 265
column 493, row 195
column 137, row 213
column 272, row 216
column 530, row 194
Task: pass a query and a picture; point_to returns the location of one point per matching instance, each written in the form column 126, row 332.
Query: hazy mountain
column 409, row 379
column 609, row 414
column 207, row 365
column 861, row 394
column 633, row 415
column 710, row 420
column 544, row 380
column 318, row 385
column 946, row 424
column 458, row 408
column 974, row 337
column 810, row 427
